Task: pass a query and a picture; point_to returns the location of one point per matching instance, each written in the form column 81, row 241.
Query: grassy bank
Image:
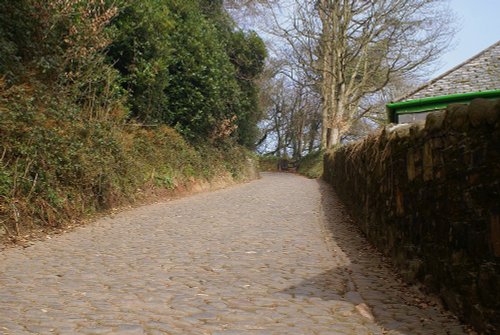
column 103, row 103
column 58, row 166
column 310, row 165
column 268, row 163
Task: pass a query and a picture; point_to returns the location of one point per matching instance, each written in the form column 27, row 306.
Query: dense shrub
column 268, row 163
column 311, row 165
column 188, row 66
column 77, row 77
column 55, row 165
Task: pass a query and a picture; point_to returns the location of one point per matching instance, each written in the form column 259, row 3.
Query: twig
column 6, row 229
column 16, row 218
column 33, row 186
column 3, row 153
column 26, row 170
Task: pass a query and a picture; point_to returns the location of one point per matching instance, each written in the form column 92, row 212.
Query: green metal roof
column 435, row 103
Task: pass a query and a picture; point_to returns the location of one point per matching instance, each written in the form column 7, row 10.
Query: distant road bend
column 259, row 258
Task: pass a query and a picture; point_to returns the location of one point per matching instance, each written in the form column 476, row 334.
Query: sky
column 478, row 22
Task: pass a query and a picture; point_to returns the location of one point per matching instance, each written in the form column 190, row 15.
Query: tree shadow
column 364, row 278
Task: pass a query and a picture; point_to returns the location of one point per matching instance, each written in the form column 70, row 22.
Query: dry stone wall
column 429, row 196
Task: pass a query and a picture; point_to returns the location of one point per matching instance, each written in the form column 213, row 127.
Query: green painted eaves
column 435, row 103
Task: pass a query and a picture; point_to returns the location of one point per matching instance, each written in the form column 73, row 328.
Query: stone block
column 489, row 290
column 495, row 233
column 427, row 162
column 437, row 143
column 476, row 316
column 434, row 121
column 431, row 282
column 410, row 165
column 484, row 111
column 417, row 131
column 457, row 117
column 399, row 202
column 457, row 257
column 493, row 113
column 451, row 299
column 415, row 268
column 400, row 130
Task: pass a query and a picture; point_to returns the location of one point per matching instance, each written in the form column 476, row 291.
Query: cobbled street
column 274, row 256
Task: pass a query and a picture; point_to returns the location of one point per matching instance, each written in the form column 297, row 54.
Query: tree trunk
column 333, row 137
column 324, row 128
column 313, row 131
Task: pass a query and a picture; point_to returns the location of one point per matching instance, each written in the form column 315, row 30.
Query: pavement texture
column 274, row 256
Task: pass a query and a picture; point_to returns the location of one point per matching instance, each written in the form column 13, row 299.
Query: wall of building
column 412, row 117
column 429, row 196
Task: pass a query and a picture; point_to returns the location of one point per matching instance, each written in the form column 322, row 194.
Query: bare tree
column 291, row 126
column 372, row 106
column 244, row 11
column 355, row 48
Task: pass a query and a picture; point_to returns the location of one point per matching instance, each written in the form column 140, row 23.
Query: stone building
column 477, row 77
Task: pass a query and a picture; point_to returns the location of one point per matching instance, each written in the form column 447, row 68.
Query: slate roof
column 479, row 73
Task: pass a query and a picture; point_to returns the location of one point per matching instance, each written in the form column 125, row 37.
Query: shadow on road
column 365, row 279
column 330, row 285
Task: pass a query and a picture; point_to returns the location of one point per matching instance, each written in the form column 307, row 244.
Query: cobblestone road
column 258, row 258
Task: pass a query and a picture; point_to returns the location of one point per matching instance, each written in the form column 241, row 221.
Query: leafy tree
column 203, row 90
column 186, row 65
column 248, row 54
column 141, row 51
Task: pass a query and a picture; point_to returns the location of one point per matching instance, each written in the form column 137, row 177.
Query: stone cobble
column 275, row 256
